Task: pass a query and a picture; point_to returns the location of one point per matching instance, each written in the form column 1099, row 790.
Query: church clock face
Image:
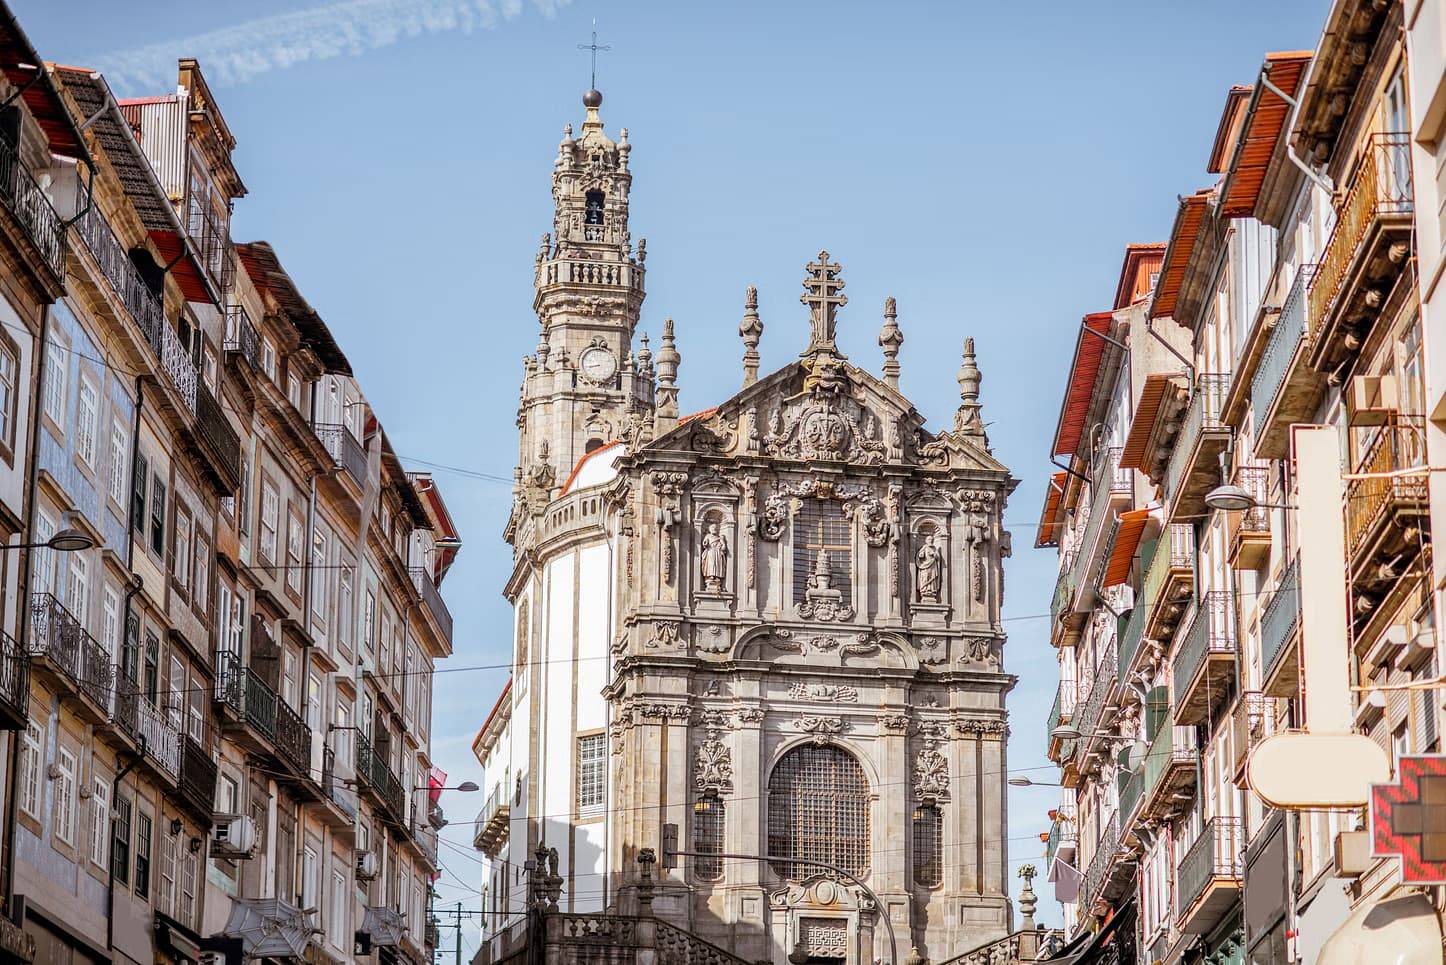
column 598, row 364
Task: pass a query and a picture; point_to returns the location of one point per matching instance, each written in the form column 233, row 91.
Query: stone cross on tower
column 823, row 298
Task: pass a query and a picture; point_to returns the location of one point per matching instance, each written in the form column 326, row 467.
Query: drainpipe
column 23, row 617
column 110, row 878
column 1321, row 181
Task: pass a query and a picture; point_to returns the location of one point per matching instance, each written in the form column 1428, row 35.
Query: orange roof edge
column 1177, row 256
column 1264, row 121
column 1053, row 493
column 1089, row 353
column 585, row 457
column 1136, row 256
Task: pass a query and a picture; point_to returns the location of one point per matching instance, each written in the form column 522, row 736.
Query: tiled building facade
column 220, row 587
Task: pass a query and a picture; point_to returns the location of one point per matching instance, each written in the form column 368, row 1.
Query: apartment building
column 221, row 593
column 1293, row 278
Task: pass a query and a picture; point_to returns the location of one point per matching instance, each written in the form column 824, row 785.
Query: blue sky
column 985, row 163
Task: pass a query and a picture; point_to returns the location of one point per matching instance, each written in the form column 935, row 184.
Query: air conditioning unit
column 233, row 836
column 366, row 865
column 1372, row 399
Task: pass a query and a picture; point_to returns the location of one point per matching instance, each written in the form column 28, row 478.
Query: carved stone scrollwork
column 825, row 425
column 774, row 518
column 931, row 776
column 980, row 649
column 894, row 723
column 980, row 727
column 749, row 715
column 831, row 693
column 713, row 765
column 820, row 727
column 664, row 635
column 931, row 650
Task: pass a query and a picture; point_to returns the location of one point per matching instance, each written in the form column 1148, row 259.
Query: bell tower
column 584, row 386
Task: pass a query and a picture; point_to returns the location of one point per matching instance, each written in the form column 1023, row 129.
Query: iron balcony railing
column 1212, row 631
column 1203, row 415
column 1103, row 681
column 198, row 777
column 1282, row 615
column 1174, row 551
column 176, row 362
column 1282, row 347
column 1401, row 444
column 1252, row 722
column 1132, row 640
column 116, row 265
column 432, row 597
column 1062, row 829
column 1254, row 479
column 213, row 245
column 374, row 775
column 14, row 683
column 293, row 739
column 162, row 738
column 1215, row 855
column 58, row 637
column 28, row 203
column 241, row 336
column 1063, row 588
column 251, row 698
column 223, row 440
column 1131, row 794
column 125, row 712
column 1106, row 851
column 1172, row 747
column 1381, row 188
column 344, row 448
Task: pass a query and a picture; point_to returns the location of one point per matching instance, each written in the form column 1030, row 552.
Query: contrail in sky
column 235, row 55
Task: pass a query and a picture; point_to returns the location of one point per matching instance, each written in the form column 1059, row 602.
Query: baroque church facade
column 773, row 625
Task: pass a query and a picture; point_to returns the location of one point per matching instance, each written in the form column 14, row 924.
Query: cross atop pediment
column 823, row 296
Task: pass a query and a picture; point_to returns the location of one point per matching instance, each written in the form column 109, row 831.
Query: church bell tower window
column 818, row 808
column 823, row 547
column 593, row 214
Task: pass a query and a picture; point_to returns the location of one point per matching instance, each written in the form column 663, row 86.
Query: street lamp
column 69, row 539
column 1069, row 732
column 1228, row 497
column 1023, row 781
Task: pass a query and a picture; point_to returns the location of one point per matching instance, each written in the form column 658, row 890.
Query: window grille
column 929, row 846
column 820, row 526
column 591, row 775
column 818, row 808
column 708, row 840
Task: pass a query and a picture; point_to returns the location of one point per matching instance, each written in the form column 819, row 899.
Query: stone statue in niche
column 929, row 571
column 714, row 559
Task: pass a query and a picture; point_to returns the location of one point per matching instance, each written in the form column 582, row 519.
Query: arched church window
column 929, row 845
column 708, row 820
column 593, row 445
column 823, row 548
column 594, row 213
column 818, row 809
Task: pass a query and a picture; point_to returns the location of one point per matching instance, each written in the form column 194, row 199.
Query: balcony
column 161, row 739
column 493, row 822
column 1169, row 581
column 608, row 275
column 1277, row 636
column 213, row 245
column 219, row 441
column 1088, row 716
column 1248, row 530
column 376, row 778
column 293, row 746
column 1285, row 389
column 345, row 450
column 1194, row 467
column 30, row 209
column 125, row 281
column 198, row 779
column 1204, row 662
column 1167, row 770
column 242, row 341
column 1385, row 515
column 14, row 684
column 1210, row 876
column 1062, row 834
column 1132, row 642
column 1252, row 722
column 1061, row 610
column 432, row 598
column 1367, row 251
column 62, row 649
column 1059, row 751
column 1104, row 880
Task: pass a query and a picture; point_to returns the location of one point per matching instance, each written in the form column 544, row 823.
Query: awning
column 1066, row 879
column 1127, row 543
column 1402, row 930
column 1088, row 948
column 1177, row 256
column 1089, row 354
column 1264, row 120
column 1048, row 534
column 1147, row 410
column 384, row 925
column 268, row 928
